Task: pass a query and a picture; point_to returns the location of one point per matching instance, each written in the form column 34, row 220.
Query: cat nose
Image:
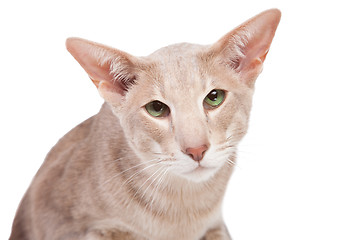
column 197, row 153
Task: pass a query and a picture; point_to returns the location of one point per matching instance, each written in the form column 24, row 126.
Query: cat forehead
column 180, row 68
column 178, row 58
column 177, row 50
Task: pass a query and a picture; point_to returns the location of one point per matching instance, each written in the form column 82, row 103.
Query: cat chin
column 200, row 174
column 186, row 168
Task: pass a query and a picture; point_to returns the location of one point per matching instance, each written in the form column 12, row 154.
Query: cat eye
column 214, row 98
column 157, row 109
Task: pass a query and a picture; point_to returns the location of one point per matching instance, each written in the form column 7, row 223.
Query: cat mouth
column 201, row 171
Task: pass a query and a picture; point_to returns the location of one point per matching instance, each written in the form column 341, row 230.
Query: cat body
column 154, row 163
column 77, row 178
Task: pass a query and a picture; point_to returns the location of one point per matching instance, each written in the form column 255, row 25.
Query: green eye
column 215, row 98
column 157, row 109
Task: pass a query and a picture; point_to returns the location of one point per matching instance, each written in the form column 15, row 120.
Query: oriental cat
column 154, row 163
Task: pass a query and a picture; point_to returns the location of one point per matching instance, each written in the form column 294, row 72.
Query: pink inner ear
column 85, row 53
column 254, row 56
column 108, row 86
column 248, row 45
column 98, row 61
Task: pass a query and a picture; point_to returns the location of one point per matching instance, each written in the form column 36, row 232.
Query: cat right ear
column 245, row 48
column 111, row 70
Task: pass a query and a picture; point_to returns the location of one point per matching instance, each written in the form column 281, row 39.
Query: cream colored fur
column 124, row 174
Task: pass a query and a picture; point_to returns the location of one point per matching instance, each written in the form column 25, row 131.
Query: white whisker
column 156, row 188
column 142, row 196
column 122, row 172
column 147, row 180
column 138, row 172
column 232, row 163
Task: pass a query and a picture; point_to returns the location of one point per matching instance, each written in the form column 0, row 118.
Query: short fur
column 123, row 174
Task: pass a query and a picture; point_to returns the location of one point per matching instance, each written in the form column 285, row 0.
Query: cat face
column 181, row 77
column 185, row 106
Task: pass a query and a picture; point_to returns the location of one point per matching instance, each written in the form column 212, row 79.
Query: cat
column 154, row 163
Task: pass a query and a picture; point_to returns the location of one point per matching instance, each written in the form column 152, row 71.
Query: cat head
column 186, row 106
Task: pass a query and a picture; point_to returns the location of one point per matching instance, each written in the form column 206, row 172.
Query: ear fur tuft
column 103, row 63
column 245, row 48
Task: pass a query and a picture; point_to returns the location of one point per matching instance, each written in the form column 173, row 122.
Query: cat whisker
column 158, row 153
column 138, row 172
column 160, row 169
column 122, row 172
column 232, row 163
column 144, row 193
column 160, row 180
column 226, row 146
column 236, row 134
column 118, row 159
column 159, row 172
column 129, row 179
column 143, row 163
column 156, row 188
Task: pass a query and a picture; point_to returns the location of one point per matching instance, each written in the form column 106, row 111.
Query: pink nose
column 197, row 153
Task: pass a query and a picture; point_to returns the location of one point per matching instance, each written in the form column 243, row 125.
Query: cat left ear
column 111, row 70
column 245, row 48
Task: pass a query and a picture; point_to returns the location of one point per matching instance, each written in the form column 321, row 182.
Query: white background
column 298, row 174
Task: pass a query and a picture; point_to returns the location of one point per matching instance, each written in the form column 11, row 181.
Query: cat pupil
column 158, row 106
column 213, row 95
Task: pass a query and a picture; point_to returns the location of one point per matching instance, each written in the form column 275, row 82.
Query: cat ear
column 111, row 70
column 245, row 48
